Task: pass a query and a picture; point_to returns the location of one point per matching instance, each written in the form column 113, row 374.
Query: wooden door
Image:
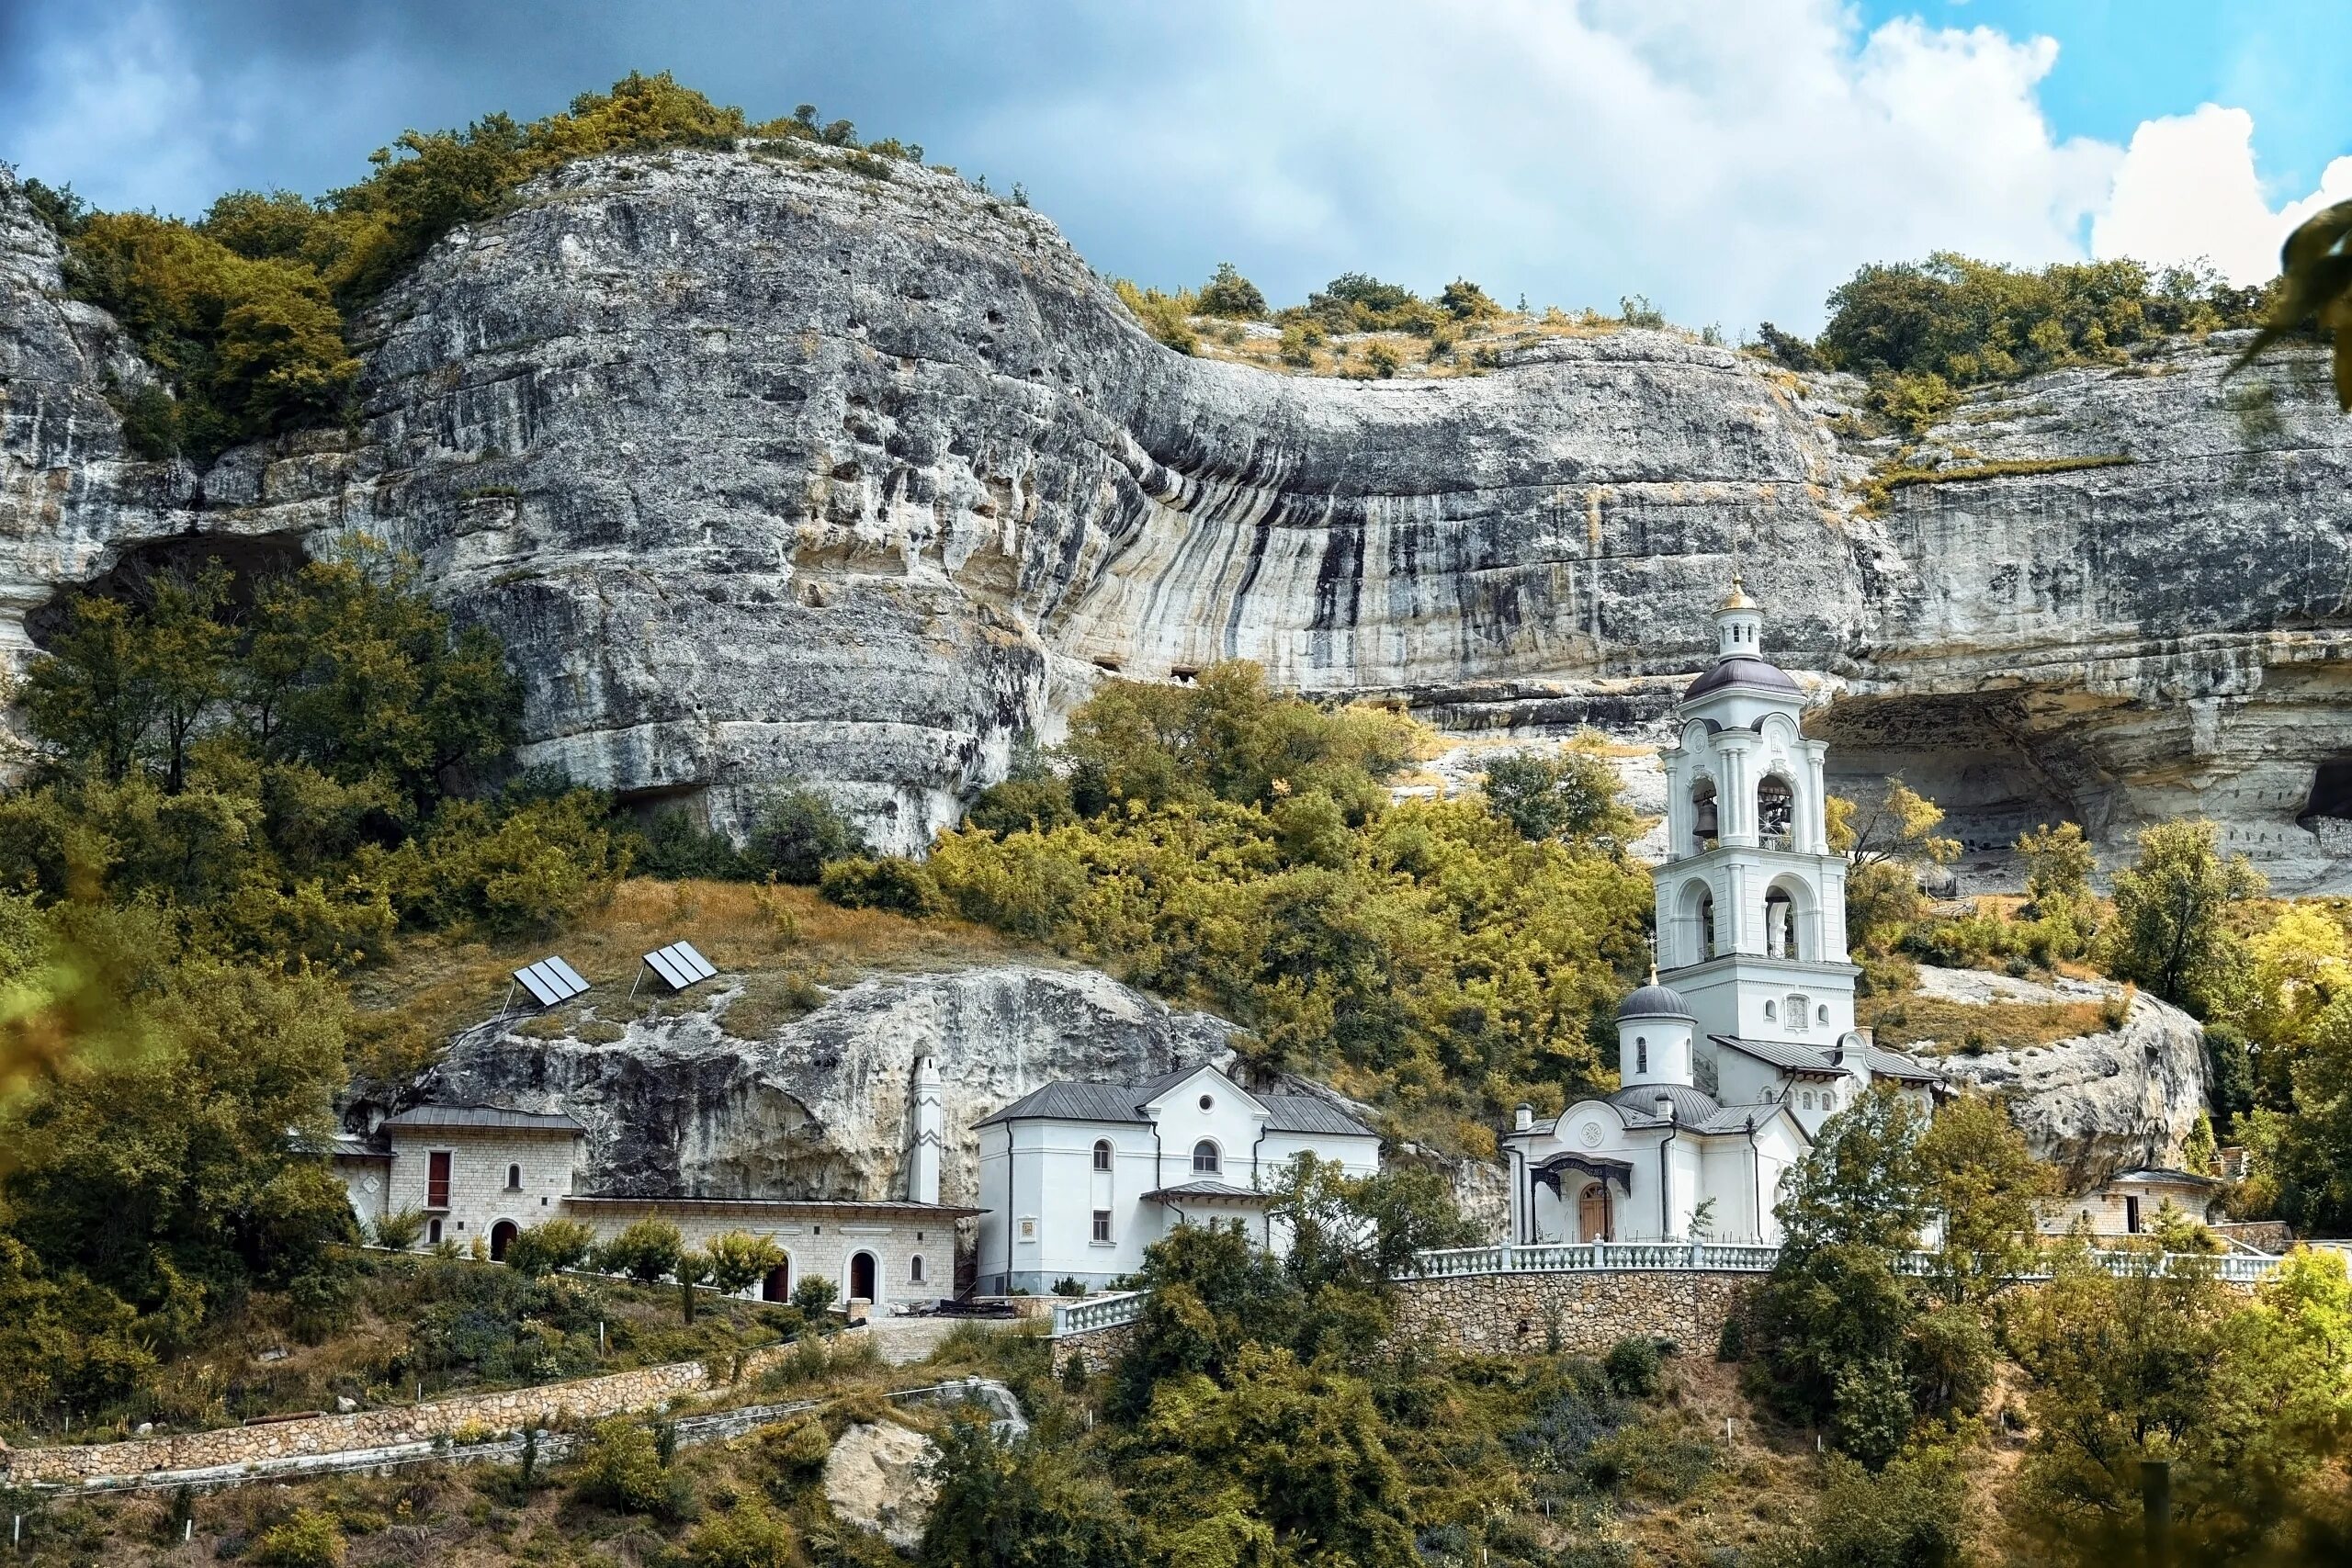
column 1592, row 1213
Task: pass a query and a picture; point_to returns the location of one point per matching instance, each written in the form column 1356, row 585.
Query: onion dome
column 1654, row 1000
column 1739, row 670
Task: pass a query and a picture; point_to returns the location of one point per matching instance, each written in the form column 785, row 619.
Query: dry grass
column 1344, row 354
column 1970, row 1028
column 428, row 987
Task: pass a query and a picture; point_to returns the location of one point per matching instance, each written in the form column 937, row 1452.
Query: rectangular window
column 437, row 1179
column 1103, row 1226
column 2131, row 1216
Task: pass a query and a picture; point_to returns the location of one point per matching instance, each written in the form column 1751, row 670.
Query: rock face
column 818, row 1107
column 877, row 1478
column 2095, row 1104
column 759, row 467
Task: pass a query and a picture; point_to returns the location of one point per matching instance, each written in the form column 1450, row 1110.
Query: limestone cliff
column 818, row 1107
column 761, row 467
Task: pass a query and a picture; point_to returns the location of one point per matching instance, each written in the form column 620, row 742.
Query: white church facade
column 1743, row 1042
column 1077, row 1178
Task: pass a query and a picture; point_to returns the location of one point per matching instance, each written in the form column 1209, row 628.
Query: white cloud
column 125, row 99
column 2187, row 190
column 1733, row 163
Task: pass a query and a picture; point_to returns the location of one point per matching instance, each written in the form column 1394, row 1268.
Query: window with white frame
column 1101, row 1227
column 1205, row 1159
column 1800, row 1012
column 1102, row 1154
column 1641, row 1054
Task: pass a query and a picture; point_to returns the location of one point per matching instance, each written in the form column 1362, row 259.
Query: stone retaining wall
column 1094, row 1348
column 504, row 1410
column 1591, row 1309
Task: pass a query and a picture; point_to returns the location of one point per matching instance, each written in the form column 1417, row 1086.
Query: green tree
column 549, row 1247
column 2316, row 267
column 2058, row 863
column 738, row 1260
column 1231, row 294
column 1891, row 841
column 797, row 832
column 1571, row 795
column 2171, row 931
column 1465, row 302
column 645, row 1251
column 89, row 696
column 1213, row 1291
column 1020, row 1504
column 1911, row 1515
column 1982, row 1185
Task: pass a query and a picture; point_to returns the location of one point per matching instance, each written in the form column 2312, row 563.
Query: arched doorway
column 1704, row 823
column 1592, row 1212
column 862, row 1274
column 777, row 1286
column 1776, row 813
column 500, row 1236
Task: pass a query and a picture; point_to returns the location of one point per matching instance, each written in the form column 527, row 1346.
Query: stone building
column 2128, row 1202
column 1730, row 1060
column 488, row 1172
column 1077, row 1178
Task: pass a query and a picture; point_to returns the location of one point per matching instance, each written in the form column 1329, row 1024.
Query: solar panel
column 680, row 966
column 550, row 981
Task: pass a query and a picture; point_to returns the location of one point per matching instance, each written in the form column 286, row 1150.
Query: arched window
column 1808, row 1099
column 914, row 1269
column 1771, row 1013
column 513, row 1179
column 1641, row 1054
column 1703, row 819
column 1821, row 1013
column 1102, row 1153
column 1776, row 813
column 432, row 1232
column 1707, row 926
column 1204, row 1158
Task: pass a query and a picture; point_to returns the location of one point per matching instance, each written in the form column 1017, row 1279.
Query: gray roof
column 484, row 1116
column 1695, row 1110
column 1743, row 670
column 2162, row 1174
column 1216, row 1190
column 349, row 1146
column 1784, row 1054
column 1654, row 1000
column 1896, row 1064
column 1069, row 1101
column 1310, row 1113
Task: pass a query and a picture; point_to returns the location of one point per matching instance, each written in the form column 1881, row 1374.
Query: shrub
column 551, row 1247
column 1787, row 349
column 1161, row 315
column 1465, row 302
column 1383, row 360
column 894, row 883
column 815, row 1295
column 796, row 833
column 1299, row 343
column 1632, row 1365
column 399, row 1231
column 749, row 1535
column 1231, row 294
column 645, row 1251
column 621, row 1468
column 306, row 1540
column 1635, row 311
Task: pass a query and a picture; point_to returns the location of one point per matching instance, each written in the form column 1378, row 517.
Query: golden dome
column 1738, row 599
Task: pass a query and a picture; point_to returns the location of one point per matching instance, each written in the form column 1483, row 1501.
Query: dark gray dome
column 1740, row 670
column 1654, row 1000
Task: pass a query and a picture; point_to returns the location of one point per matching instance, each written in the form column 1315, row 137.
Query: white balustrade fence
column 1699, row 1257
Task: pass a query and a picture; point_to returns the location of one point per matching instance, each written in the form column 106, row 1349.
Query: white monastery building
column 1731, row 1059
column 1077, row 1178
column 485, row 1172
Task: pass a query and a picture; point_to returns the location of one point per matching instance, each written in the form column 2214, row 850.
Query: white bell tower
column 1751, row 903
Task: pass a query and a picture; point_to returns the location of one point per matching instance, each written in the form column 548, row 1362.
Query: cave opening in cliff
column 1971, row 754
column 2331, row 793
column 251, row 560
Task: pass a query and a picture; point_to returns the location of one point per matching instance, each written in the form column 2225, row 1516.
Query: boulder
column 877, row 1478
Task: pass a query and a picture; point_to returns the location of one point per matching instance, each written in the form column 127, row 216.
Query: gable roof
column 1784, row 1054
column 1071, row 1100
column 1897, row 1065
column 484, row 1116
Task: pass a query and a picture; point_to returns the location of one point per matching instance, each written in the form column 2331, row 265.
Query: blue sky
column 1732, row 161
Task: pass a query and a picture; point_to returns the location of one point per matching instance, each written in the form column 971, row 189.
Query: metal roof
column 1654, row 1000
column 483, row 1116
column 1742, row 670
column 1310, row 1113
column 1784, row 1054
column 1216, row 1191
column 1692, row 1106
column 1897, row 1065
column 2161, row 1174
column 1069, row 1101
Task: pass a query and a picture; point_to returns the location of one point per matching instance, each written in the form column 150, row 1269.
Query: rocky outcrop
column 818, row 1107
column 763, row 466
column 2094, row 1104
column 879, row 1478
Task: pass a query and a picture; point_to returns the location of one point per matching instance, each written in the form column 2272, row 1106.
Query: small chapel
column 1744, row 1041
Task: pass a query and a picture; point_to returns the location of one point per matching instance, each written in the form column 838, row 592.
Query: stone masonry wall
column 1494, row 1313
column 545, row 1405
